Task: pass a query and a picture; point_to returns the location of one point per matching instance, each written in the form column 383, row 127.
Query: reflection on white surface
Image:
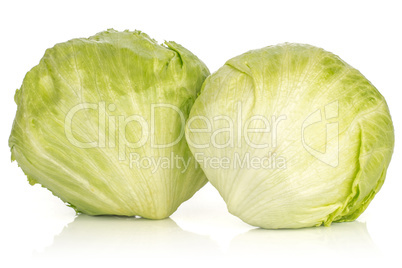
column 108, row 236
column 348, row 239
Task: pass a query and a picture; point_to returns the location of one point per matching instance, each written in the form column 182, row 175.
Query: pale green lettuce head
column 292, row 136
column 94, row 114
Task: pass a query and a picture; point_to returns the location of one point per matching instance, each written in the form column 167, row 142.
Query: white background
column 38, row 230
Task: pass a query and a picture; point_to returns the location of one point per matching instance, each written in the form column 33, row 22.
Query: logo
column 327, row 118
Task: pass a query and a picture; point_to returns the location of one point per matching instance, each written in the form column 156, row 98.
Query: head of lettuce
column 291, row 136
column 100, row 123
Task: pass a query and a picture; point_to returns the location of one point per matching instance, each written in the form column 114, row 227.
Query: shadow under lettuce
column 127, row 237
column 348, row 239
